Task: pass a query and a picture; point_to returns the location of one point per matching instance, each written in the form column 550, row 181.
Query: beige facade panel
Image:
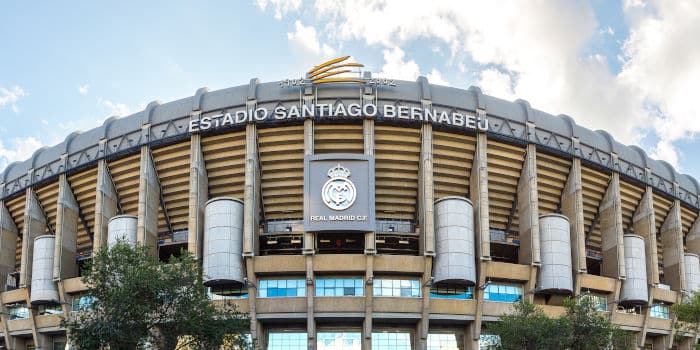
column 552, row 173
column 281, row 152
column 83, row 185
column 594, row 183
column 125, row 175
column 453, row 157
column 16, row 208
column 172, row 165
column 397, row 155
column 505, row 162
column 630, row 195
column 224, row 159
column 48, row 197
column 338, row 138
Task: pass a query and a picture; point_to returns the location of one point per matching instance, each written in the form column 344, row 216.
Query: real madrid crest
column 338, row 192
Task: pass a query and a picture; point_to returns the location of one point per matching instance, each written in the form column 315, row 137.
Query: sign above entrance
column 336, row 70
column 339, row 193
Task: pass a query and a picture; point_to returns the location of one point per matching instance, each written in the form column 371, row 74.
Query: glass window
column 59, row 345
column 391, row 341
column 396, row 288
column 223, row 293
column 502, row 293
column 286, row 341
column 600, row 301
column 49, row 309
column 281, row 288
column 18, row 311
column 338, row 341
column 445, row 341
column 82, row 302
column 452, row 291
column 489, row 342
column 339, row 287
column 659, row 311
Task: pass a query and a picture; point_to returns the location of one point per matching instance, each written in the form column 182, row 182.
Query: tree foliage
column 688, row 313
column 582, row 327
column 140, row 302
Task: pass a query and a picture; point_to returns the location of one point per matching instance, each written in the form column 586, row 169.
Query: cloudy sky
column 630, row 67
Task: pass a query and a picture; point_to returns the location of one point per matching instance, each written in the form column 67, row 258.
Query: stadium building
column 348, row 213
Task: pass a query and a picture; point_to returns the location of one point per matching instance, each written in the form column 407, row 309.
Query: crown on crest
column 338, row 171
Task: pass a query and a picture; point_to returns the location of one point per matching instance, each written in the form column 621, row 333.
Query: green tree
column 582, row 327
column 141, row 302
column 526, row 328
column 688, row 313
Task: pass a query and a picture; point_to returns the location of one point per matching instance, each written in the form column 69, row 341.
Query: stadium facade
column 370, row 213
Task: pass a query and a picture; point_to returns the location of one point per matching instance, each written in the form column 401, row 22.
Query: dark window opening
column 394, row 244
column 281, row 244
column 504, row 246
column 83, row 265
column 340, row 243
column 168, row 250
column 593, row 265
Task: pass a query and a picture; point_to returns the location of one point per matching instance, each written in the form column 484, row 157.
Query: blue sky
column 624, row 66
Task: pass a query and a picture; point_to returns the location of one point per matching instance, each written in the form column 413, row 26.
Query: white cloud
column 435, row 77
column 306, row 41
column 118, row 109
column 496, row 83
column 281, row 7
column 396, row 67
column 83, row 90
column 11, row 96
column 19, row 149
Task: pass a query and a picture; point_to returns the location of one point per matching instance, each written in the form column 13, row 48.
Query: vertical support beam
column 692, row 239
column 251, row 218
column 9, row 341
column 149, row 200
column 644, row 225
column 64, row 265
column 425, row 194
column 198, row 196
column 528, row 210
column 572, row 208
column 672, row 242
column 479, row 195
column 370, row 248
column 8, row 245
column 308, row 151
column 106, row 204
column 34, row 226
column 612, row 231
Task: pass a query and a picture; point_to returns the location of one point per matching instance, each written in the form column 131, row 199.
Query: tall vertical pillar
column 106, row 204
column 8, row 244
column 34, row 226
column 672, row 241
column 479, row 195
column 528, row 210
column 64, row 265
column 645, row 225
column 572, row 208
column 309, row 250
column 370, row 248
column 308, row 151
column 612, row 232
column 426, row 218
column 251, row 201
column 149, row 200
column 198, row 196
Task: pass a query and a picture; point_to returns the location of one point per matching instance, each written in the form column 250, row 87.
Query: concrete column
column 64, row 265
column 106, row 204
column 644, row 225
column 255, row 329
column 528, row 210
column 149, row 200
column 426, row 194
column 368, row 132
column 692, row 239
column 4, row 317
column 572, row 208
column 251, row 217
column 310, row 319
column 8, row 245
column 34, row 226
column 309, row 244
column 672, row 240
column 198, row 196
column 479, row 195
column 612, row 231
